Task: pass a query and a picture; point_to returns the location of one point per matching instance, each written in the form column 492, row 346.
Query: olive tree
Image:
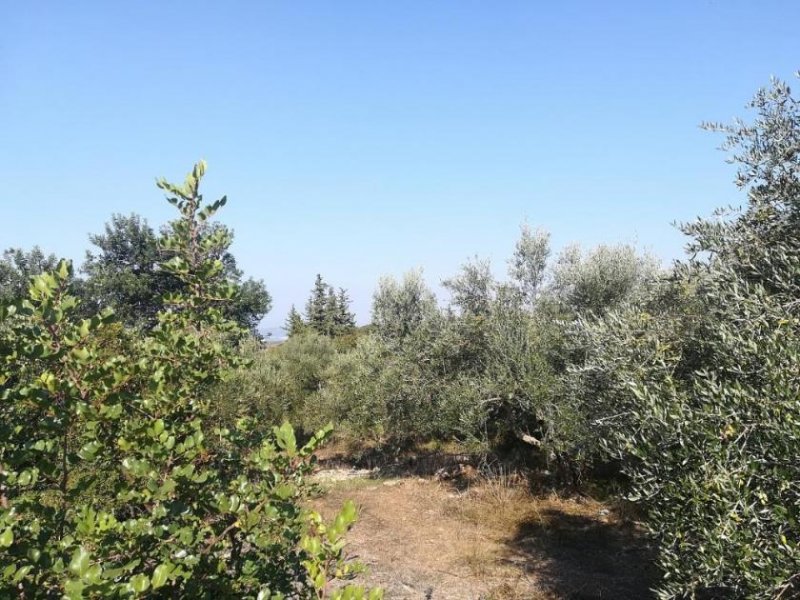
column 398, row 308
column 528, row 265
column 699, row 398
column 602, row 278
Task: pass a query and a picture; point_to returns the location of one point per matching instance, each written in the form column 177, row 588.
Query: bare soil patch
column 486, row 539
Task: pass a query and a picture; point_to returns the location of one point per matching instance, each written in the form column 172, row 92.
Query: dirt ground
column 486, row 539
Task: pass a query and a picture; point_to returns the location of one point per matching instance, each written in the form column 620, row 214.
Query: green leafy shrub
column 176, row 518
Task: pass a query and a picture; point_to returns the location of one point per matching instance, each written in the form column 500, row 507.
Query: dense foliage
column 125, row 273
column 17, row 267
column 685, row 379
column 112, row 482
column 487, row 369
column 135, row 461
column 697, row 390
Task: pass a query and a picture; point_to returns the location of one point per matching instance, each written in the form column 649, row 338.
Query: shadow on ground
column 419, row 463
column 584, row 557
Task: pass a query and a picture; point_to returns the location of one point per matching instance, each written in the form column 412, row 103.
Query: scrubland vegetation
column 138, row 455
column 118, row 475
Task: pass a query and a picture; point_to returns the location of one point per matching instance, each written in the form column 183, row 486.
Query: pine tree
column 331, row 327
column 327, row 312
column 294, row 323
column 345, row 320
column 316, row 307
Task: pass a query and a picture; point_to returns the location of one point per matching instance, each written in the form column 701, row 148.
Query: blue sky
column 357, row 139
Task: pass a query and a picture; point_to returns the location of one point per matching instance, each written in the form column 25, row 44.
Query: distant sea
column 273, row 334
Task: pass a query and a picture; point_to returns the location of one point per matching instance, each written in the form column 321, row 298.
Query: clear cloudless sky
column 356, row 139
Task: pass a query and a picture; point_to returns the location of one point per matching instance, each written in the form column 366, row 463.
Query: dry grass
column 498, row 501
column 478, row 555
column 489, row 538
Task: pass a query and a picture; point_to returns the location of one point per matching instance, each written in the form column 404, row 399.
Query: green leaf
column 93, row 574
column 89, row 450
column 349, row 512
column 74, row 589
column 63, row 269
column 284, row 491
column 80, row 354
column 320, row 580
column 139, row 583
column 6, row 538
column 285, row 437
column 79, row 563
column 22, row 573
column 160, row 574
